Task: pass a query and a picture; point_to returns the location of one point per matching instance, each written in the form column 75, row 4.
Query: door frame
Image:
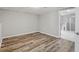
column 60, row 14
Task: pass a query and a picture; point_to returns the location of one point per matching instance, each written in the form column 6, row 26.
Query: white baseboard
column 17, row 35
column 29, row 33
column 51, row 35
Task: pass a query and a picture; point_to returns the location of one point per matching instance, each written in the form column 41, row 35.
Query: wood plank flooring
column 36, row 42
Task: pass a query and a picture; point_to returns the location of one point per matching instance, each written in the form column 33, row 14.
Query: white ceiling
column 34, row 10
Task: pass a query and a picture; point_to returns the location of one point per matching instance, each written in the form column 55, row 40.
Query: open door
column 67, row 24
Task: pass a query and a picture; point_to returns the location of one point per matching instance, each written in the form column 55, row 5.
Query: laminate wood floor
column 36, row 42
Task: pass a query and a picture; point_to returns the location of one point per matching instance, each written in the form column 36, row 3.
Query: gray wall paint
column 0, row 35
column 14, row 23
column 49, row 23
column 77, row 19
column 77, row 30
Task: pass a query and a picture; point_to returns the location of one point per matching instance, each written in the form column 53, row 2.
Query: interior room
column 39, row 29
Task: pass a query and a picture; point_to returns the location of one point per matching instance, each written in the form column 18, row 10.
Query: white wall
column 77, row 19
column 49, row 23
column 14, row 23
column 77, row 30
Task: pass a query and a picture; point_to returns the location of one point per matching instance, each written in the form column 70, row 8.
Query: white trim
column 51, row 35
column 17, row 35
column 29, row 33
column 59, row 23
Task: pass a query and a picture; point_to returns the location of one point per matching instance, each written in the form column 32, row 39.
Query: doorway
column 67, row 24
